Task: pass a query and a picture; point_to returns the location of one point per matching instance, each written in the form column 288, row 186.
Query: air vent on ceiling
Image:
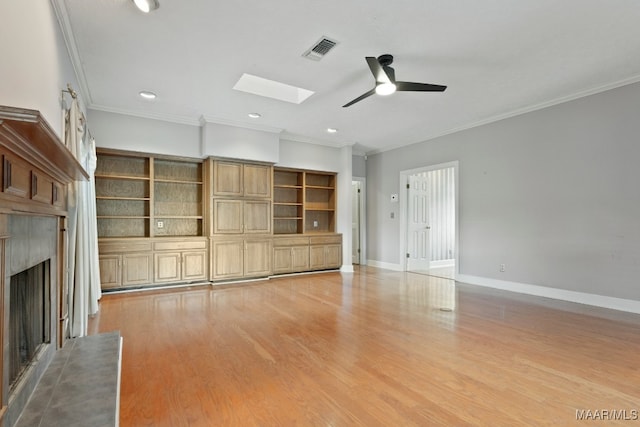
column 320, row 49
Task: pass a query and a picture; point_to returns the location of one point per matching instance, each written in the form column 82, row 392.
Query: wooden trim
column 27, row 134
column 127, row 153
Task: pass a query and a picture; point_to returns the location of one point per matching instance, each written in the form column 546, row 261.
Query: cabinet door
column 282, row 259
column 110, row 273
column 136, row 269
column 299, row 258
column 228, row 259
column 227, row 179
column 333, row 256
column 167, row 267
column 227, row 216
column 257, row 216
column 257, row 259
column 257, row 181
column 316, row 257
column 194, row 265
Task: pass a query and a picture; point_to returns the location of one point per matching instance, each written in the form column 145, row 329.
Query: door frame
column 363, row 217
column 404, row 210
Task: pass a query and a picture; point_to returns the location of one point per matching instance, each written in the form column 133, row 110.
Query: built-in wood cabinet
column 234, row 258
column 147, row 262
column 290, row 254
column 180, row 260
column 236, row 179
column 232, row 216
column 165, row 220
column 325, row 252
column 241, row 226
column 125, row 264
column 303, row 201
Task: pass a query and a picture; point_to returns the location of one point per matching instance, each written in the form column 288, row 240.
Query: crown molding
column 582, row 94
column 62, row 15
column 239, row 124
column 148, row 115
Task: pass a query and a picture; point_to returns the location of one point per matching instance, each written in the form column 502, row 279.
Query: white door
column 418, row 256
column 355, row 222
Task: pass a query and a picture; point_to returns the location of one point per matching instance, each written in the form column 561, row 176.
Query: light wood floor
column 376, row 348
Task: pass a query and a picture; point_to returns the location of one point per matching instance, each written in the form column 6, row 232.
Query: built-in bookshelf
column 303, row 202
column 319, row 202
column 288, row 197
column 143, row 196
column 177, row 198
column 123, row 196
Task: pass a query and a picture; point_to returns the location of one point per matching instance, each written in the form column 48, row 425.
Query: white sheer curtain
column 83, row 273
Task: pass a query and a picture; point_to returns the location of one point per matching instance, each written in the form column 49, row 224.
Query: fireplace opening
column 29, row 317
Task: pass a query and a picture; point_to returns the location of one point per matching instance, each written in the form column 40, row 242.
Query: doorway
column 429, row 220
column 358, row 222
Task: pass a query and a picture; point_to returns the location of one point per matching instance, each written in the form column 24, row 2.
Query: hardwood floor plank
column 376, row 348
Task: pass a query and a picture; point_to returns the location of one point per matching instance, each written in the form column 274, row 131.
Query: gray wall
column 358, row 166
column 553, row 194
column 35, row 64
column 123, row 132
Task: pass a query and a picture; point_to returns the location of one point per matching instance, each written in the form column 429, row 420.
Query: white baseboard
column 346, row 268
column 442, row 263
column 631, row 306
column 385, row 265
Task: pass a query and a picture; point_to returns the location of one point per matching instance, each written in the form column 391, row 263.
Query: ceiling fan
column 386, row 82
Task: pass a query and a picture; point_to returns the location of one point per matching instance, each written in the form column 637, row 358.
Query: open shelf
column 134, row 191
column 303, row 201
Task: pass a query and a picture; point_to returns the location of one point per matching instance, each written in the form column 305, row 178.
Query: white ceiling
column 498, row 58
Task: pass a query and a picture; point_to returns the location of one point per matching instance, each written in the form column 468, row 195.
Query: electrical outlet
column 160, row 224
column 502, row 268
column 315, row 224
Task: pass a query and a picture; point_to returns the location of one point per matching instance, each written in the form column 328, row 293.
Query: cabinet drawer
column 290, row 241
column 173, row 246
column 122, row 246
column 325, row 240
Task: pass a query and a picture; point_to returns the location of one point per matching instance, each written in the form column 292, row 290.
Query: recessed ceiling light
column 148, row 95
column 332, row 130
column 147, row 6
column 255, row 115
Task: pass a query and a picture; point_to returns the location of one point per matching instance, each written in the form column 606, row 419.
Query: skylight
column 272, row 89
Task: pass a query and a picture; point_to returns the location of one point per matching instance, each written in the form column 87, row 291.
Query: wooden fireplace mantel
column 36, row 165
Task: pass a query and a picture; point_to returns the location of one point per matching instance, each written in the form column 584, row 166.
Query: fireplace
column 29, row 325
column 35, row 170
column 31, row 273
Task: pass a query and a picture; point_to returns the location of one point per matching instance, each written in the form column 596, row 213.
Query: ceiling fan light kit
column 147, row 6
column 386, row 83
column 385, row 89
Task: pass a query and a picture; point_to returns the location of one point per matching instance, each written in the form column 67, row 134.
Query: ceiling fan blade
column 418, row 87
column 360, row 98
column 391, row 73
column 377, row 70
